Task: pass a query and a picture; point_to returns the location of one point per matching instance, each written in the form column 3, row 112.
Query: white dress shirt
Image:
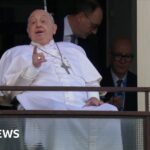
column 68, row 31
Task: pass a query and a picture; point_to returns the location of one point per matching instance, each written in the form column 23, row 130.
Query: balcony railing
column 135, row 126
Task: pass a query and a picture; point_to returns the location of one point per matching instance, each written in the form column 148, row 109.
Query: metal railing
column 145, row 115
column 144, row 90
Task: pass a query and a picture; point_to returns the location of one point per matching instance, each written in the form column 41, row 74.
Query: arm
column 19, row 72
column 93, row 97
column 30, row 73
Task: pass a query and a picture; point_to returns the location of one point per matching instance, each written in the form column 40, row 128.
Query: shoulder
column 18, row 50
column 131, row 77
column 70, row 47
column 22, row 52
column 131, row 74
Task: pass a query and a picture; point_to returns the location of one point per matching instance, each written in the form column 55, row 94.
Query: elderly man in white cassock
column 46, row 63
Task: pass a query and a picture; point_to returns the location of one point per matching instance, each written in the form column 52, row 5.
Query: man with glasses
column 118, row 75
column 80, row 27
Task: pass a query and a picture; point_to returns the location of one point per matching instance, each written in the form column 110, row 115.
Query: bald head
column 44, row 13
column 121, row 44
column 121, row 56
column 41, row 26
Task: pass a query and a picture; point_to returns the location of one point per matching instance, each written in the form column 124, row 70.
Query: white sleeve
column 93, row 93
column 27, row 76
column 16, row 71
column 25, row 79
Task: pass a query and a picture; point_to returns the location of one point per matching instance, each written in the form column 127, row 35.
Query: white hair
column 51, row 17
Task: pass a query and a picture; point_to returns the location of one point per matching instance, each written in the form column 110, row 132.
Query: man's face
column 40, row 27
column 121, row 57
column 90, row 23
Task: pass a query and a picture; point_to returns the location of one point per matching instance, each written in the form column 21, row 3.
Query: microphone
column 45, row 5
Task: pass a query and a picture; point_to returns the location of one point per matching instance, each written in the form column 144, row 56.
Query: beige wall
column 143, row 46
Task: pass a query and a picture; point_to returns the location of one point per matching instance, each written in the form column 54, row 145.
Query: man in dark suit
column 80, row 27
column 120, row 60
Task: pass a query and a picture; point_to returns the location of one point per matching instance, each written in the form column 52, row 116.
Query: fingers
column 40, row 56
column 93, row 102
column 116, row 101
column 37, row 58
column 35, row 50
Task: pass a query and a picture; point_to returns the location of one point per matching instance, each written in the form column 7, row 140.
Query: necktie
column 120, row 94
column 119, row 82
column 73, row 38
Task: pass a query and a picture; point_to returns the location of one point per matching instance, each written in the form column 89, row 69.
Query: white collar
column 116, row 78
column 51, row 43
column 49, row 48
column 67, row 27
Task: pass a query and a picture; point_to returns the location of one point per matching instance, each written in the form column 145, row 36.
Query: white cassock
column 16, row 69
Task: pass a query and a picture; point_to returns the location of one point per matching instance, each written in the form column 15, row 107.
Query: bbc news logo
column 12, row 133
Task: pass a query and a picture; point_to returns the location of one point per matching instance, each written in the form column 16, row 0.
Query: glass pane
column 71, row 133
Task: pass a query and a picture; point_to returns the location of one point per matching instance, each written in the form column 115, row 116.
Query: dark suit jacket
column 130, row 97
column 91, row 45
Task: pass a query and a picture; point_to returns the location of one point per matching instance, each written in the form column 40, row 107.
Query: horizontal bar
column 66, row 113
column 70, row 88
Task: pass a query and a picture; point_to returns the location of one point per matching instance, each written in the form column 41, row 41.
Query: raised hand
column 37, row 58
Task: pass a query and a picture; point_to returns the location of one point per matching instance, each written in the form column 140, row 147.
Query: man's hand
column 93, row 101
column 117, row 101
column 37, row 58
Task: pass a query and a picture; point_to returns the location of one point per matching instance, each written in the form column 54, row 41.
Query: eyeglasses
column 93, row 25
column 119, row 57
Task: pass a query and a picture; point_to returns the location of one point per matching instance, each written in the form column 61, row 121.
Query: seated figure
column 46, row 63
